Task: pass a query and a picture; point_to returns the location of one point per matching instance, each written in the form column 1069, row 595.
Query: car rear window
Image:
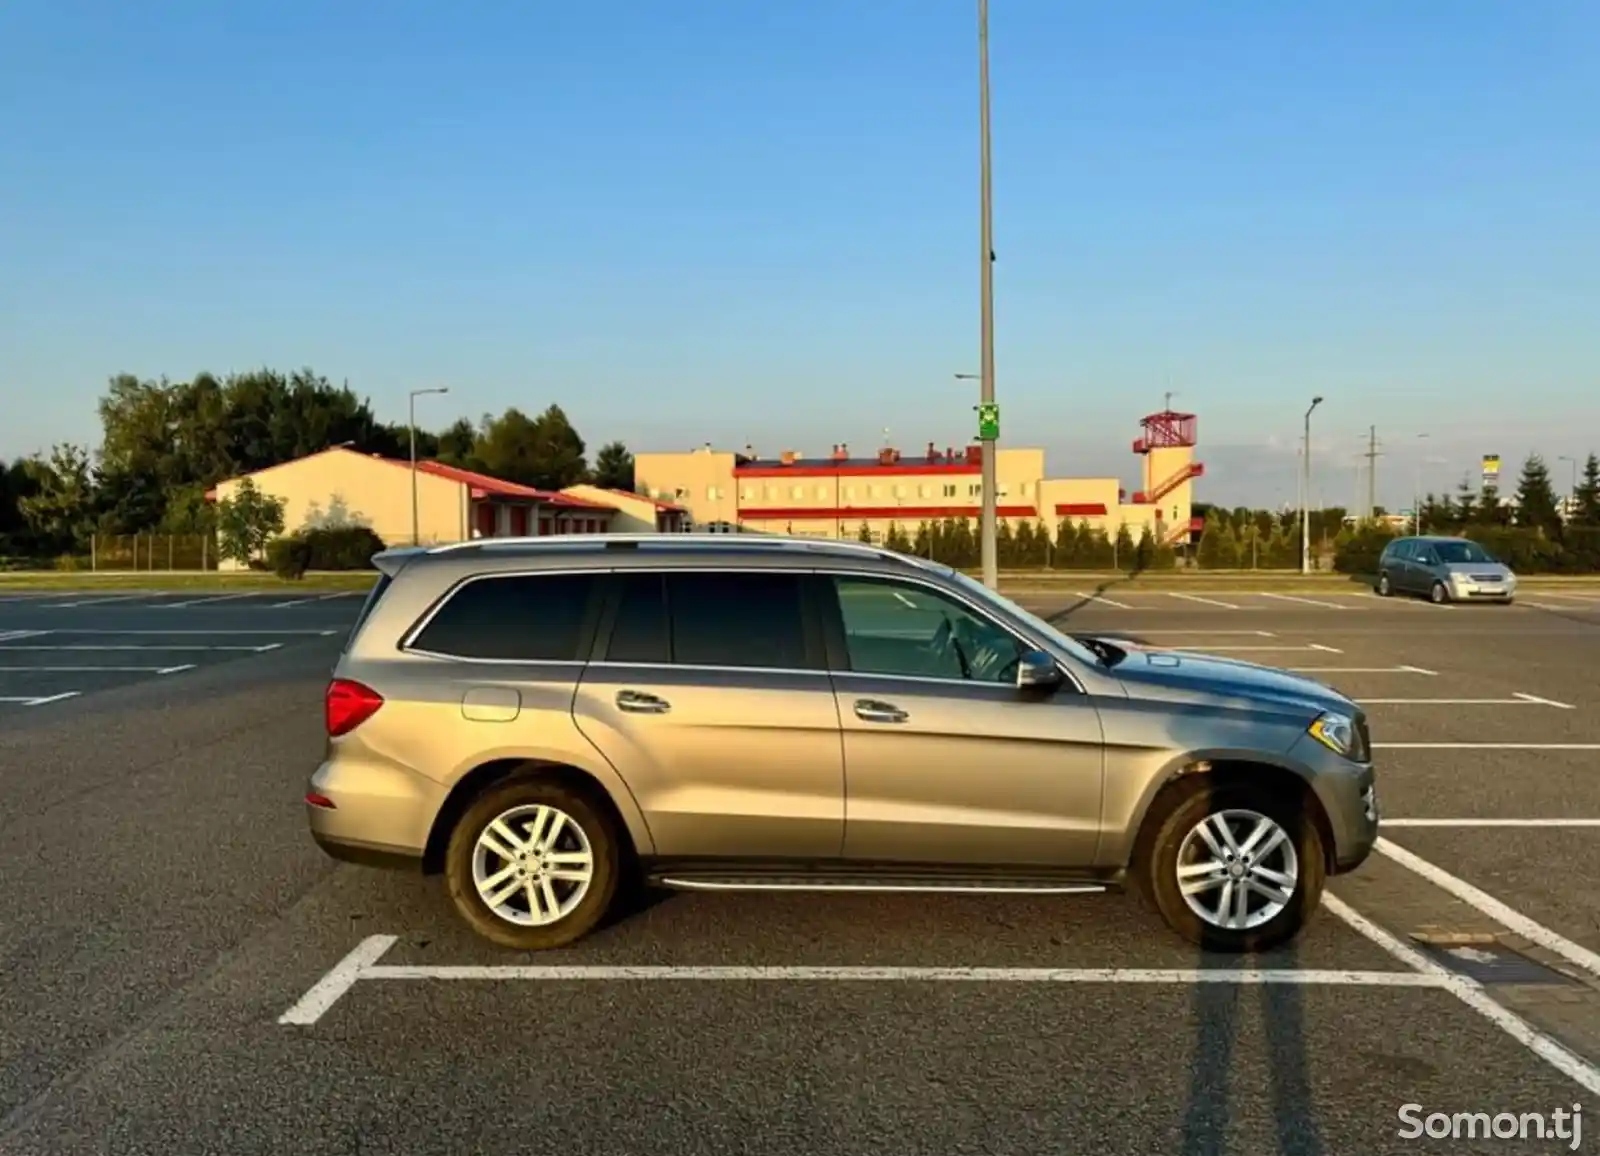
column 374, row 596
column 516, row 618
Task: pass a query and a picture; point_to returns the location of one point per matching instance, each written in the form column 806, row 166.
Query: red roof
column 483, row 485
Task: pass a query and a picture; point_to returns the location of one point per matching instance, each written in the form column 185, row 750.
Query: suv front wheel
column 532, row 865
column 1235, row 868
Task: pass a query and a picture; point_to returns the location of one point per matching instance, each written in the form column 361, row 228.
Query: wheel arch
column 1277, row 775
column 623, row 812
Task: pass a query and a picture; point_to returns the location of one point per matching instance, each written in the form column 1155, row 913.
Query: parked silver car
column 1445, row 570
column 536, row 720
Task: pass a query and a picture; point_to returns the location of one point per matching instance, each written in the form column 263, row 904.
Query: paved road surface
column 163, row 908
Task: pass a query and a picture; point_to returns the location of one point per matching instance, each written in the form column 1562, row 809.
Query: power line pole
column 1372, row 472
column 987, row 444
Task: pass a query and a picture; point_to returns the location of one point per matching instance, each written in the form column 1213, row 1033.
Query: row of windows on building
column 827, row 493
column 738, row 619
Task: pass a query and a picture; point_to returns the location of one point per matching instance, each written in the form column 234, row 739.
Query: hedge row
column 1526, row 551
column 339, row 548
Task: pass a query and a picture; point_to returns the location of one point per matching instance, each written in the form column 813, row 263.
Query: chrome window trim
column 951, row 592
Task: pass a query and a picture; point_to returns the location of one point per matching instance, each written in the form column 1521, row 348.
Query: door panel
column 972, row 773
column 739, row 763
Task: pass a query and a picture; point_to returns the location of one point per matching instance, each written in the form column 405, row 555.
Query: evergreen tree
column 922, row 544
column 1466, row 503
column 1005, row 544
column 1588, row 494
column 1122, row 548
column 865, row 533
column 1210, row 553
column 1068, row 556
column 1536, row 498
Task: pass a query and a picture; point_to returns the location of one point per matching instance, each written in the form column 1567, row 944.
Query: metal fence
column 143, row 552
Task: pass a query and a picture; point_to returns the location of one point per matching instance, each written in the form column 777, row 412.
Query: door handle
column 635, row 702
column 871, row 710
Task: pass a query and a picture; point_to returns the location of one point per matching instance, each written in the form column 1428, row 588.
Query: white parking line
column 206, row 600
column 1515, row 921
column 1518, row 700
column 350, row 593
column 1471, row 993
column 1207, row 601
column 40, row 701
column 1491, row 822
column 11, row 635
column 95, row 669
column 1360, row 670
column 1306, row 601
column 362, row 964
column 1215, row 633
column 6, row 647
column 190, row 633
column 1101, row 598
column 93, row 600
column 1258, row 649
column 1486, row 746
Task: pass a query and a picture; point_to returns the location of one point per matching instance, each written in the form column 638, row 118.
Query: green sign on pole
column 989, row 422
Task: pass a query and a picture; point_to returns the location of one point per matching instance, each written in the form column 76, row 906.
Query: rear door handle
column 871, row 710
column 636, row 702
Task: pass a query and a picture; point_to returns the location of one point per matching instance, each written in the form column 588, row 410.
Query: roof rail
column 669, row 541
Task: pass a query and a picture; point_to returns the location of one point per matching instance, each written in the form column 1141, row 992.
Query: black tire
column 1193, row 801
column 598, row 829
column 1383, row 588
column 1438, row 594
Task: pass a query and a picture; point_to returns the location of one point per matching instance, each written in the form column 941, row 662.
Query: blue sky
column 735, row 221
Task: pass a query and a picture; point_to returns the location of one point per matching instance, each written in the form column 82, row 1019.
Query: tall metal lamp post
column 1416, row 493
column 1305, row 495
column 988, row 412
column 411, row 413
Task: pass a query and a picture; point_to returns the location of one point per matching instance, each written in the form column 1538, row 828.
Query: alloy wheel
column 1237, row 869
column 532, row 865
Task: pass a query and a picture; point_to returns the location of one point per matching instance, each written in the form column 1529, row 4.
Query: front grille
column 1487, row 578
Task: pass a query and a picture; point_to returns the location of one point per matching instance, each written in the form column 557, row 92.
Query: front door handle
column 871, row 710
column 636, row 702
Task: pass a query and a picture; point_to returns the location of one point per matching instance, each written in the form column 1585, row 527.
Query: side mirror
column 1037, row 670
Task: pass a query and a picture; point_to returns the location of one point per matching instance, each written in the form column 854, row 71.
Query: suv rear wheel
column 1235, row 868
column 1384, row 589
column 532, row 865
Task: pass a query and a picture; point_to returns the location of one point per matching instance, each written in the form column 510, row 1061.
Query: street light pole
column 1305, row 496
column 1571, row 503
column 411, row 421
column 1416, row 494
column 990, row 478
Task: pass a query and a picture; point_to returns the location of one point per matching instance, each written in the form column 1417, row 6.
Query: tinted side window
column 1402, row 548
column 642, row 631
column 528, row 618
column 738, row 618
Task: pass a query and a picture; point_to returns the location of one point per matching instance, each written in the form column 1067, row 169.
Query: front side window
column 904, row 629
column 1462, row 551
column 519, row 618
column 716, row 618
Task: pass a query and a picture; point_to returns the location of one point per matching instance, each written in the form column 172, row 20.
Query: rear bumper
column 382, row 814
column 369, row 854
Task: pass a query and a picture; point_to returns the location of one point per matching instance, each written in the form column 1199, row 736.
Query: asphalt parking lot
column 184, row 972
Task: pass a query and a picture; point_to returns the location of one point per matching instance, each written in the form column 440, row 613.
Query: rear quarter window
column 374, row 596
column 514, row 618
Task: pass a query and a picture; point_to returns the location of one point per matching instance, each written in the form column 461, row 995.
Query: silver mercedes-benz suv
column 540, row 720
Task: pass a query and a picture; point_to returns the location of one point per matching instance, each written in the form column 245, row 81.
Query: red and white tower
column 1167, row 447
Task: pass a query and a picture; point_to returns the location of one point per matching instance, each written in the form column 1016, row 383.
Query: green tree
column 1587, row 494
column 864, row 534
column 613, row 467
column 1536, row 498
column 1068, row 554
column 60, row 511
column 1005, row 544
column 246, row 521
column 1214, row 553
column 458, row 446
column 1122, row 548
column 897, row 539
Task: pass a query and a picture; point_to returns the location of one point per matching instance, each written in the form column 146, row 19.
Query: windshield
column 1460, row 550
column 1039, row 625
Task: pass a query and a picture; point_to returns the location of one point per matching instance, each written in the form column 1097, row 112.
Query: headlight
column 1337, row 733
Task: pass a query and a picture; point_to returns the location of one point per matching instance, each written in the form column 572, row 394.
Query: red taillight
column 348, row 704
column 314, row 799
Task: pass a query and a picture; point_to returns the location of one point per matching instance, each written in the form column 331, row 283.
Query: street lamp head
column 1316, row 401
